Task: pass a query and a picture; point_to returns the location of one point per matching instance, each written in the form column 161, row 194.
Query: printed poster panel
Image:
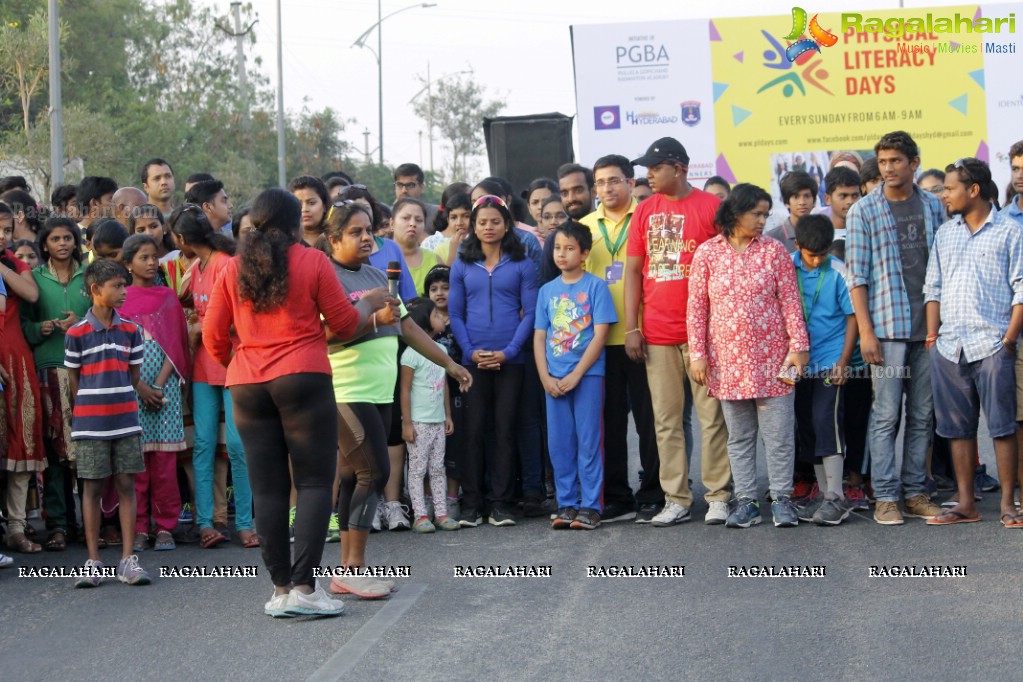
column 636, row 83
column 843, row 96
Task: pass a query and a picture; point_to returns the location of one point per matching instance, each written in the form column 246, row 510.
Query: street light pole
column 380, row 78
column 56, row 108
column 361, row 42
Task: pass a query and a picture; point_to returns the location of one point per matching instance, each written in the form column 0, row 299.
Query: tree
column 458, row 108
column 24, row 61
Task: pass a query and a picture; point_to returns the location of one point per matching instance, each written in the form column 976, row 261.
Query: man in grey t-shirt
column 888, row 234
column 912, row 231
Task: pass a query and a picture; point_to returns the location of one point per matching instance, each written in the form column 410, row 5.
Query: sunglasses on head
column 489, row 200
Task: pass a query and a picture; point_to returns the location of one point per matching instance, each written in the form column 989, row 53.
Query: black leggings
column 496, row 393
column 365, row 465
column 291, row 415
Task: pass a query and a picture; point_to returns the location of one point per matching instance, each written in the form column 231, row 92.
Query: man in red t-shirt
column 666, row 230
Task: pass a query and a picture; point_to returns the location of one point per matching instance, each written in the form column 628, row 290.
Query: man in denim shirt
column 889, row 234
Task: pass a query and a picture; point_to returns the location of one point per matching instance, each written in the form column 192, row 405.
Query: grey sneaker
column 394, row 513
column 672, row 515
column 318, row 603
column 130, row 573
column 717, row 514
column 94, row 577
column 784, row 512
column 830, row 513
column 277, row 606
column 746, row 514
column 807, row 507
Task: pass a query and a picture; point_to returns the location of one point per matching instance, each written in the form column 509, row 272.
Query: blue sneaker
column 983, row 482
column 746, row 514
column 186, row 517
column 784, row 512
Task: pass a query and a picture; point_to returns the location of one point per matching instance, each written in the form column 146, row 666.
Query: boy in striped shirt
column 103, row 354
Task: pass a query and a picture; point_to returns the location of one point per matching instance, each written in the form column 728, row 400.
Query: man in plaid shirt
column 889, row 234
column 974, row 294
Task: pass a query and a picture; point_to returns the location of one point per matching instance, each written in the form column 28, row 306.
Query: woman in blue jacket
column 491, row 302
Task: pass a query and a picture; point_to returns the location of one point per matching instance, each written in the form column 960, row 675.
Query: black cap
column 665, row 149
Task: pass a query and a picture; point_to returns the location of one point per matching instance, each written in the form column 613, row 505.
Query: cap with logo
column 664, row 149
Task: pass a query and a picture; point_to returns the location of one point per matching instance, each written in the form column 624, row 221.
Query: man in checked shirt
column 888, row 236
column 974, row 295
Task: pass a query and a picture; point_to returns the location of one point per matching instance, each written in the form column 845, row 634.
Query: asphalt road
column 705, row 625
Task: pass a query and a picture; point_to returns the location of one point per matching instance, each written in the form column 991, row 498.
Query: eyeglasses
column 610, row 182
column 344, row 190
column 339, row 205
column 551, row 217
column 964, row 172
column 406, row 185
column 487, row 200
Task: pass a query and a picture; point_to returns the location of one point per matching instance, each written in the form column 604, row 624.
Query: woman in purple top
column 491, row 302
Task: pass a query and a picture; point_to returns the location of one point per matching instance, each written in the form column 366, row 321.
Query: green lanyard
column 816, row 293
column 621, row 235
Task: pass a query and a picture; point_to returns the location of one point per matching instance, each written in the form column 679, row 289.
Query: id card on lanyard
column 614, row 272
column 807, row 311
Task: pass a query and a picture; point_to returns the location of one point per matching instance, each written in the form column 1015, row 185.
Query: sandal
column 210, row 538
column 223, row 530
column 56, row 541
column 141, row 543
column 164, row 541
column 20, row 543
column 248, row 538
column 111, row 536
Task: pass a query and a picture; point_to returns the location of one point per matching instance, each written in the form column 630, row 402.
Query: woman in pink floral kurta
column 745, row 326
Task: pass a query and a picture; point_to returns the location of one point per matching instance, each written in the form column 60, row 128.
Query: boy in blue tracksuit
column 573, row 314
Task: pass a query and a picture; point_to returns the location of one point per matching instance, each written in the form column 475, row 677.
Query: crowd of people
column 319, row 359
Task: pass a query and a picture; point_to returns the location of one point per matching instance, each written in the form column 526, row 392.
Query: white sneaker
column 364, row 587
column 394, row 513
column 277, row 606
column 377, row 523
column 319, row 603
column 717, row 514
column 672, row 514
column 6, row 561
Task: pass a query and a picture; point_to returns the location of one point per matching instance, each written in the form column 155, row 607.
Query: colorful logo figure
column 690, row 113
column 798, row 54
column 819, row 37
column 607, row 118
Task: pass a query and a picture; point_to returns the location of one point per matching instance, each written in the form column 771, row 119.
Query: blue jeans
column 207, row 401
column 906, row 371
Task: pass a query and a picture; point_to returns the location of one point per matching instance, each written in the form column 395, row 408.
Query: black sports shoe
column 647, row 512
column 501, row 517
column 469, row 518
column 616, row 511
column 586, row 519
column 564, row 518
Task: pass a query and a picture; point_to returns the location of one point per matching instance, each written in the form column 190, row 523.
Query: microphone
column 393, row 273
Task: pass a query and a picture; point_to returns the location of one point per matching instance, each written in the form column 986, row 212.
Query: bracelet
column 932, row 338
column 1008, row 343
column 154, row 386
column 633, row 331
column 374, row 322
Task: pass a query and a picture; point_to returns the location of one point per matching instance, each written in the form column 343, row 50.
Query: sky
column 520, row 51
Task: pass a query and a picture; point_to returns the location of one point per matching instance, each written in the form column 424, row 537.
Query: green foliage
column 157, row 78
column 459, row 107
